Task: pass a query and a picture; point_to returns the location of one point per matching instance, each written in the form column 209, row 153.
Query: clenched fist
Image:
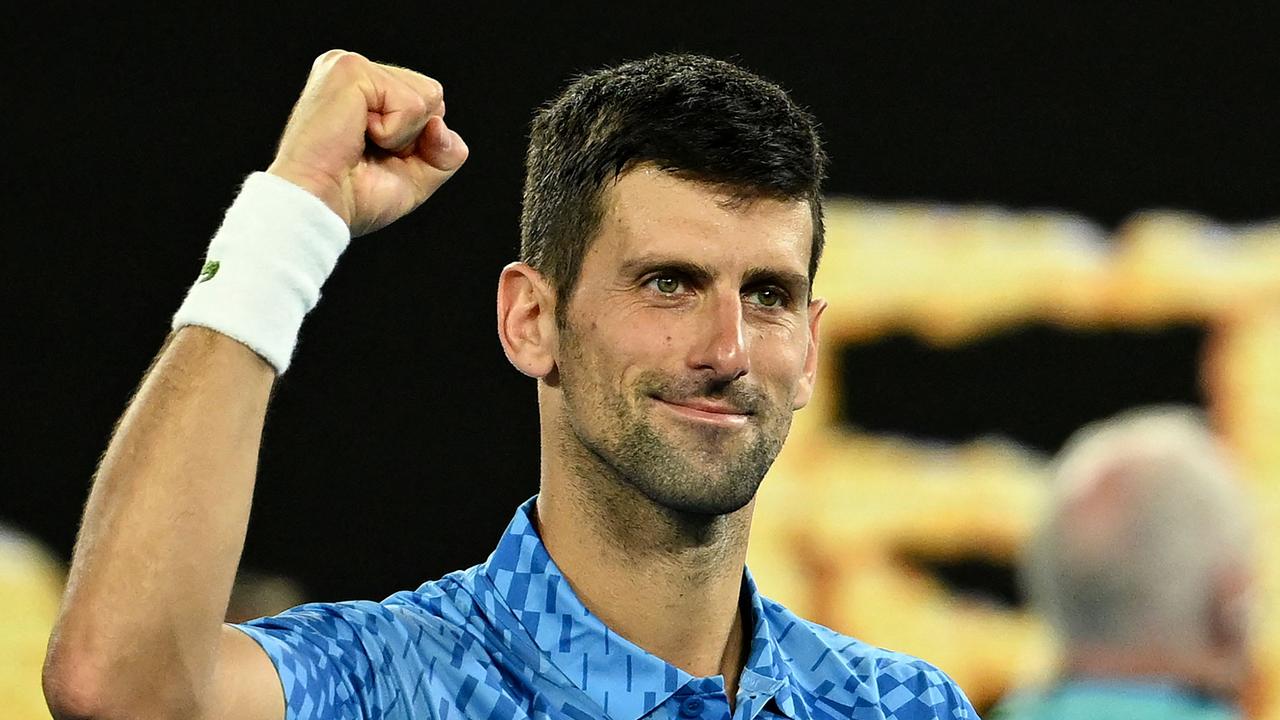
column 368, row 139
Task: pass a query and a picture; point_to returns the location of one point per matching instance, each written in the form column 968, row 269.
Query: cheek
column 638, row 347
column 614, row 351
column 643, row 332
column 778, row 357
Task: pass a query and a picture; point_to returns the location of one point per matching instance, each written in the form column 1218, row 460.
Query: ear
column 1230, row 608
column 804, row 392
column 526, row 320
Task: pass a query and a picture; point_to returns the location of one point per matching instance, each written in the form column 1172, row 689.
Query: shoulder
column 836, row 669
column 442, row 606
column 1021, row 705
column 403, row 634
column 396, row 658
column 1105, row 699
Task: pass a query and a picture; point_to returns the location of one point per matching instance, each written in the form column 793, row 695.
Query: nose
column 722, row 346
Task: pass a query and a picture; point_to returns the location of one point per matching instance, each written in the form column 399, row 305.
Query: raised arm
column 140, row 632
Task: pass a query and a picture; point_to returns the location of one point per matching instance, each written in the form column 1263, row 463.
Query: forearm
column 163, row 530
column 138, row 634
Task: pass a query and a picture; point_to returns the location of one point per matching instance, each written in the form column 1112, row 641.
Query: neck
column 668, row 582
column 1206, row 673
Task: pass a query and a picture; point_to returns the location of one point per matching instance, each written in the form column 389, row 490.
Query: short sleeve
column 912, row 689
column 961, row 708
column 325, row 656
column 953, row 704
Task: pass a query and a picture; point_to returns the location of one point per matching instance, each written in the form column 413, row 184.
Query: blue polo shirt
column 509, row 639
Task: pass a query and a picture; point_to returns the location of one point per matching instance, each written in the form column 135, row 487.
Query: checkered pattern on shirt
column 509, row 640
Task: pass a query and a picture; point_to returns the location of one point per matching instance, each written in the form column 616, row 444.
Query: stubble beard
column 691, row 481
column 693, row 473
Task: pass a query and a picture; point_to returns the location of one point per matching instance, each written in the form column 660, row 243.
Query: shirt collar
column 766, row 672
column 622, row 678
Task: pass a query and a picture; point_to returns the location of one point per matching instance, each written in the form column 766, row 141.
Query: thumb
column 440, row 147
column 395, row 131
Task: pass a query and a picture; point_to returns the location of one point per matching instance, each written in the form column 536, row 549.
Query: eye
column 666, row 284
column 769, row 297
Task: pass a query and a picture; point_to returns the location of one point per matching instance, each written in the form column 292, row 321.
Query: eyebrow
column 649, row 263
column 795, row 282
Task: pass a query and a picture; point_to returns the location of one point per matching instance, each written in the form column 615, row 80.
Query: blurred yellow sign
column 30, row 588
column 842, row 507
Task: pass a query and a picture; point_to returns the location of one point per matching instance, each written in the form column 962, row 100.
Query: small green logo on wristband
column 209, row 270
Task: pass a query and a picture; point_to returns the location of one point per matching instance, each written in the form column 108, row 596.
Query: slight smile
column 707, row 411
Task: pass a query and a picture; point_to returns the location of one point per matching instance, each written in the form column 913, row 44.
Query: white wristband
column 263, row 272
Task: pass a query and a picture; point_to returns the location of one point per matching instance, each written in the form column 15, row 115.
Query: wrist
column 265, row 266
column 325, row 187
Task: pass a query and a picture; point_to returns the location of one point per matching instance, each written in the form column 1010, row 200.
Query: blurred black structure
column 400, row 441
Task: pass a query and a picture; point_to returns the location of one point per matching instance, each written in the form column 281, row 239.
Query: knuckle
column 431, row 89
column 338, row 61
column 349, row 61
column 327, row 57
column 435, row 89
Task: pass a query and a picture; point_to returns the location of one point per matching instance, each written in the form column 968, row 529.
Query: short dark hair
column 694, row 116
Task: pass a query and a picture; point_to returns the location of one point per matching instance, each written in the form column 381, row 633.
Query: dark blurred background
column 400, row 441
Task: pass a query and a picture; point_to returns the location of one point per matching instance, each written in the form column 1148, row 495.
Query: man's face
column 689, row 339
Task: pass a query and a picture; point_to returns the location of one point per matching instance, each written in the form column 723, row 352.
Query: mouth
column 707, row 411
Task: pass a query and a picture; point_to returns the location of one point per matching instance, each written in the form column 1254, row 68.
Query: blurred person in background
column 30, row 586
column 1142, row 567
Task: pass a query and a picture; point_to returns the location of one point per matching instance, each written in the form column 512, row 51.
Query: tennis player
column 671, row 229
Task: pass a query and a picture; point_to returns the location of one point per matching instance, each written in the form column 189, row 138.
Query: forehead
column 650, row 212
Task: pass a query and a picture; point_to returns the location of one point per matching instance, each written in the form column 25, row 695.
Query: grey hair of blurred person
column 1145, row 521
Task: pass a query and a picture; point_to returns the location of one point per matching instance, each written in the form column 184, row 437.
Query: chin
column 725, row 502
column 708, row 509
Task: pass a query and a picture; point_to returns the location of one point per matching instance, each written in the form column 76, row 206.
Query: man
column 672, row 226
column 1142, row 566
